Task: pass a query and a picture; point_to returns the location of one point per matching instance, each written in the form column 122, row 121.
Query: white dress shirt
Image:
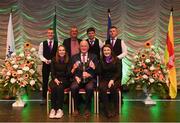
column 86, row 57
column 40, row 52
column 124, row 48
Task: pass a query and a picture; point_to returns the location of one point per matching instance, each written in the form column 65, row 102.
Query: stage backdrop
column 138, row 21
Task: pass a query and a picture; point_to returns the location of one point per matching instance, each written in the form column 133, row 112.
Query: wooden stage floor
column 133, row 110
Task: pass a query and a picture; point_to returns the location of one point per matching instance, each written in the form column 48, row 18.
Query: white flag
column 10, row 47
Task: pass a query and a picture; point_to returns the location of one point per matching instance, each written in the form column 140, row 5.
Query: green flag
column 54, row 27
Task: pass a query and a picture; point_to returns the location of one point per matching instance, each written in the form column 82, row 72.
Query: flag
column 10, row 46
column 170, row 58
column 109, row 24
column 54, row 27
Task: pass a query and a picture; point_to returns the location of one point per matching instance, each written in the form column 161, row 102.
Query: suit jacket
column 117, row 48
column 67, row 44
column 95, row 48
column 78, row 72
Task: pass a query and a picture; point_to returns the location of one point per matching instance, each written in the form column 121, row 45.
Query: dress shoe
column 115, row 113
column 109, row 114
column 87, row 113
column 75, row 113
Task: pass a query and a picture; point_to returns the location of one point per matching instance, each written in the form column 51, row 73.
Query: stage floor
column 133, row 110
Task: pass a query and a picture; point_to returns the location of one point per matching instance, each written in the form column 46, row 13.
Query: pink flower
column 143, row 65
column 4, row 71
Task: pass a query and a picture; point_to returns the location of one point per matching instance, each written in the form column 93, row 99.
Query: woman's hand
column 57, row 81
column 111, row 83
column 78, row 80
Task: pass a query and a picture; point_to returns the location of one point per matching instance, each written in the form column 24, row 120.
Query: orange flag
column 170, row 58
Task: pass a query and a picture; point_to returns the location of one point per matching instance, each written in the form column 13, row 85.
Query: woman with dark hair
column 60, row 81
column 109, row 80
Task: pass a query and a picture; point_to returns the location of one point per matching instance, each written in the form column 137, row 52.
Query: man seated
column 84, row 71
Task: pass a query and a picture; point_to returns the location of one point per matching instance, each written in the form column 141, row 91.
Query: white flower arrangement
column 20, row 70
column 148, row 70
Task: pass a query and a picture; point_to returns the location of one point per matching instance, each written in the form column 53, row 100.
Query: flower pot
column 19, row 102
column 149, row 101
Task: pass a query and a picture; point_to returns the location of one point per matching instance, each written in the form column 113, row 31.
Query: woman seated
column 109, row 80
column 60, row 81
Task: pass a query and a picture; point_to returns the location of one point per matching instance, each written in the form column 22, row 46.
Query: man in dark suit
column 72, row 44
column 94, row 46
column 47, row 50
column 84, row 71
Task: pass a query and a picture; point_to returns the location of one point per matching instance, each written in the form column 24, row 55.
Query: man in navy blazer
column 84, row 71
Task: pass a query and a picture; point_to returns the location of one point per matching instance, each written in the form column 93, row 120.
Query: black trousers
column 89, row 88
column 45, row 78
column 103, row 88
column 57, row 95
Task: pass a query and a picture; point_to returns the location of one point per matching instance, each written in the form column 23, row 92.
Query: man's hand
column 86, row 75
column 48, row 61
column 92, row 65
column 75, row 66
column 78, row 80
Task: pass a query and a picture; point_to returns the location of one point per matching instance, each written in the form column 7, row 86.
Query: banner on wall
column 10, row 46
column 170, row 58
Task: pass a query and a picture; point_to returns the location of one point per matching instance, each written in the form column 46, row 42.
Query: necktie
column 112, row 42
column 83, row 58
column 50, row 45
column 91, row 42
column 84, row 66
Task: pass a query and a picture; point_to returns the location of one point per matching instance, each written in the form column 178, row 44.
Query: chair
column 66, row 91
column 82, row 91
column 108, row 92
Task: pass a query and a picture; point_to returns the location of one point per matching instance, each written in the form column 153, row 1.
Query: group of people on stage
column 76, row 64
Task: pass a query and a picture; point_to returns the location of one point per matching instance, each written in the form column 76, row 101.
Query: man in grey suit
column 84, row 73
